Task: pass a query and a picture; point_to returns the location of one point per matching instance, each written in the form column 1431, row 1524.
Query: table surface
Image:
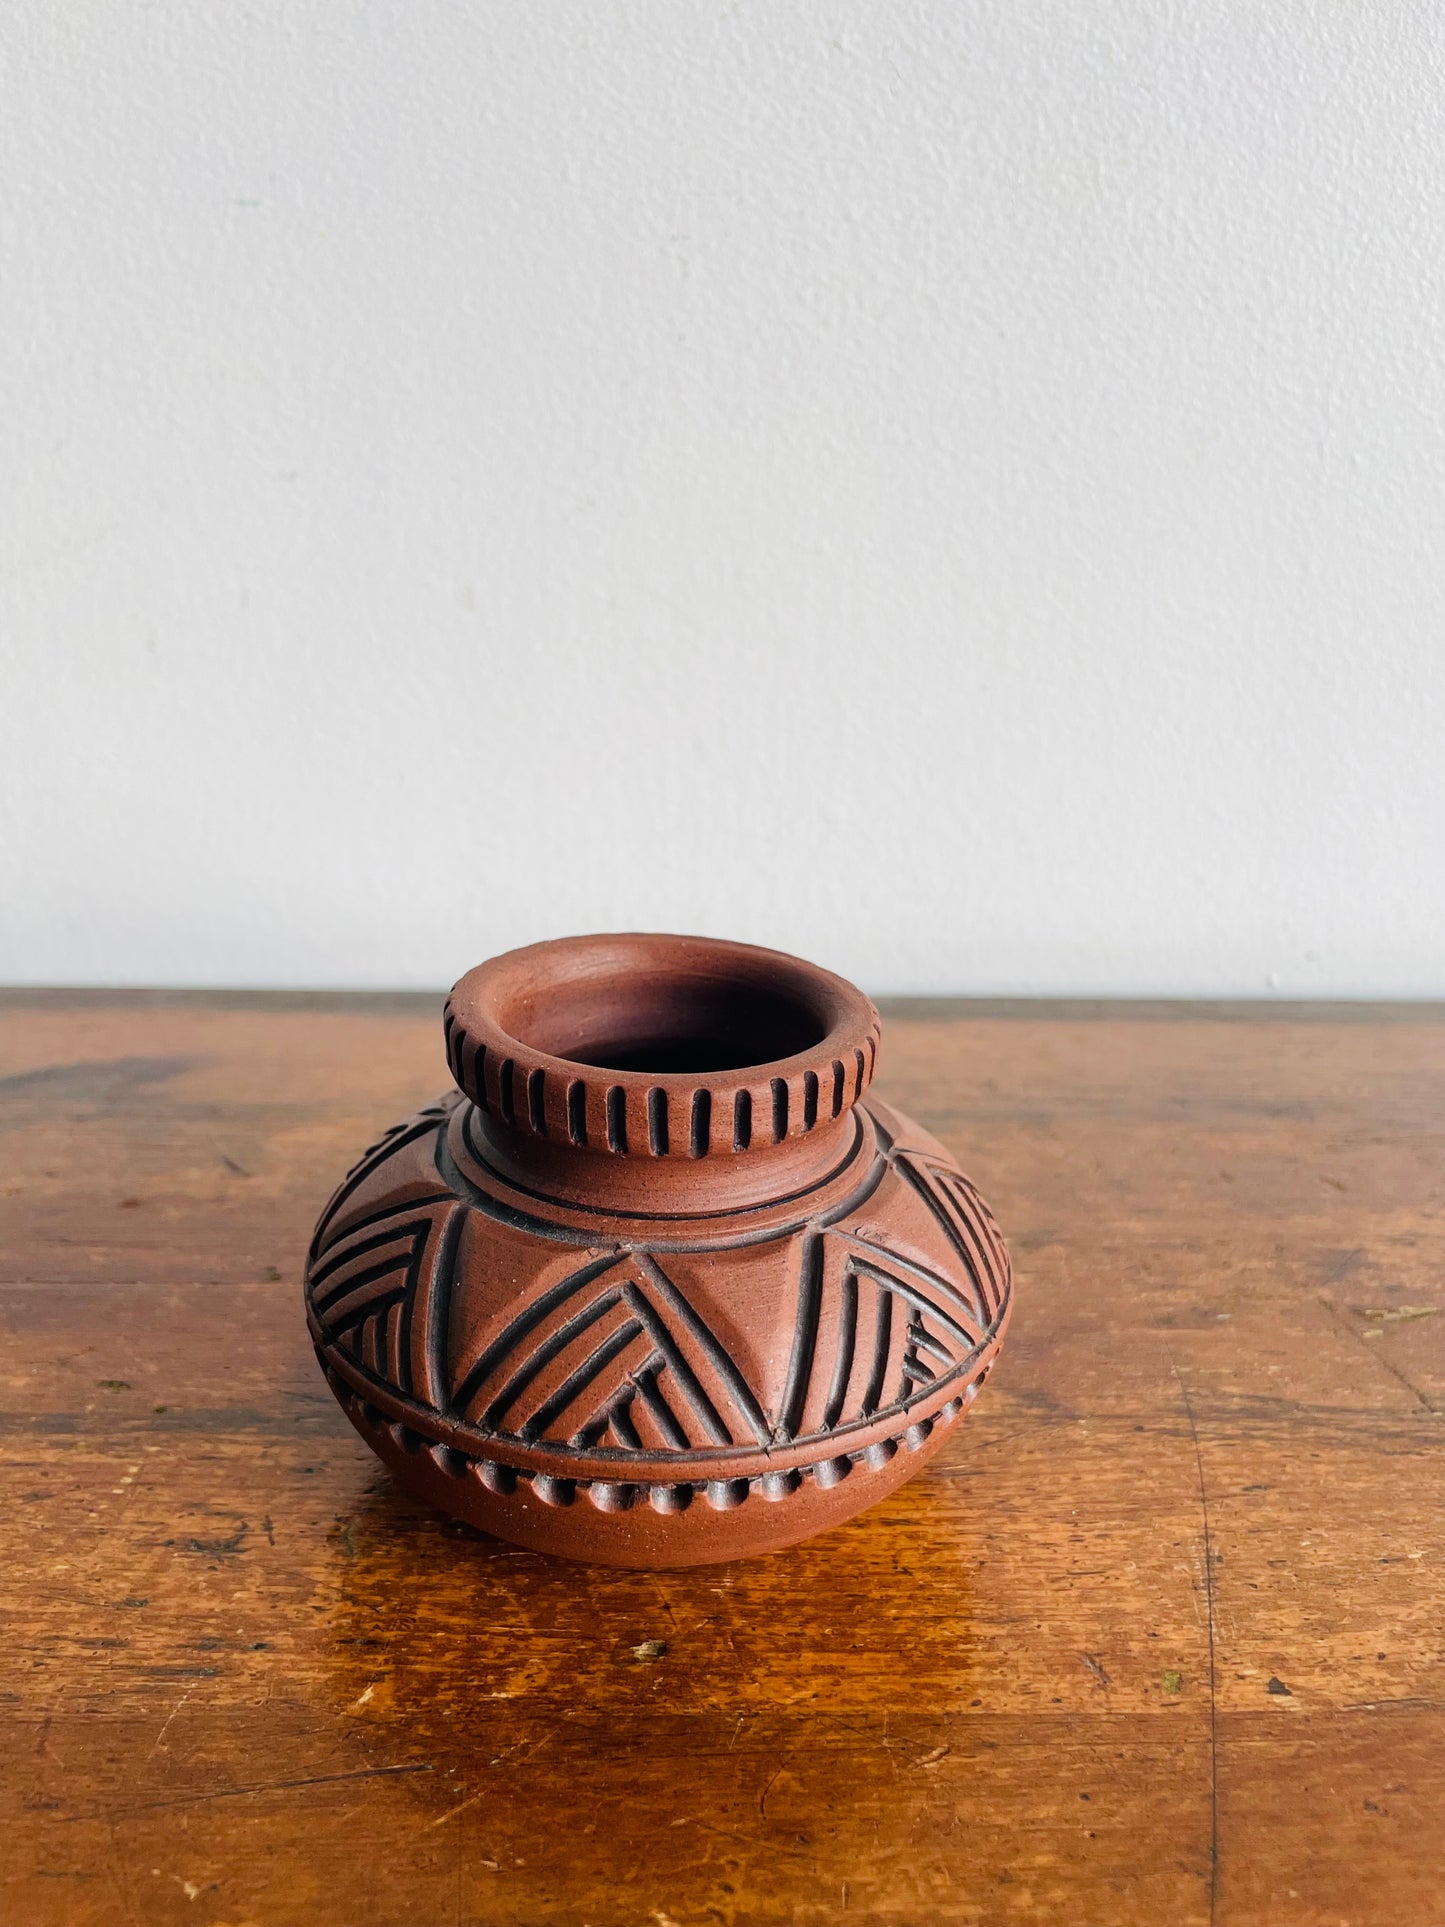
column 1159, row 1637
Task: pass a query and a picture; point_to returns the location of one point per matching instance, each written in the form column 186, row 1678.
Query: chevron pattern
column 426, row 1123
column 967, row 1223
column 615, row 1354
column 873, row 1330
column 381, row 1293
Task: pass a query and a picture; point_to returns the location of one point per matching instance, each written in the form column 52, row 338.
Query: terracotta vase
column 658, row 1284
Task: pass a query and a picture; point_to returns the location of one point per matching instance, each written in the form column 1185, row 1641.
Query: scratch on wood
column 1345, row 1326
column 452, row 1812
column 1209, row 1622
column 166, row 1726
column 280, row 1786
column 666, row 1602
column 1409, row 1704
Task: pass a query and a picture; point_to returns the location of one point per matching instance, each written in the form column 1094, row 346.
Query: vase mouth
column 695, row 1043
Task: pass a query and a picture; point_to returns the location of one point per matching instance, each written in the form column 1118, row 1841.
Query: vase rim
column 670, row 1045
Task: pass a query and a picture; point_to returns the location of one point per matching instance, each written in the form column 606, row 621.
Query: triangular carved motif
column 874, row 1329
column 381, row 1293
column 615, row 1347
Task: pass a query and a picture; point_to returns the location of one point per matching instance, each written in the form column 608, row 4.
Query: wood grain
column 1160, row 1638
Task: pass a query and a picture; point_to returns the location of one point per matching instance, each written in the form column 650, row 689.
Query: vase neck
column 656, row 1069
column 638, row 1183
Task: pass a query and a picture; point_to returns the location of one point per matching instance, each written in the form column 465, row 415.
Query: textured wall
column 956, row 490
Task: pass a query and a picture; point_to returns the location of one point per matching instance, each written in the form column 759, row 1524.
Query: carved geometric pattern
column 615, row 1348
column 967, row 1223
column 426, row 1123
column 380, row 1294
column 873, row 1328
column 614, row 1356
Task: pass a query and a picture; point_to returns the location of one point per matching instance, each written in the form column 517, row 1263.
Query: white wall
column 957, row 490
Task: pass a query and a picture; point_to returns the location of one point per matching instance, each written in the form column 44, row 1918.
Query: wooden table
column 1160, row 1637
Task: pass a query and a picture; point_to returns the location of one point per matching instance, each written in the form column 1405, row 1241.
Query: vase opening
column 664, row 1023
column 647, row 1063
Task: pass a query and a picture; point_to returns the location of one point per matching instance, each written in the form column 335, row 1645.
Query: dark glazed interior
column 665, row 1022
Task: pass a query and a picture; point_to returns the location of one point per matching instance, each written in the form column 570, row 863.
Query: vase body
column 658, row 1284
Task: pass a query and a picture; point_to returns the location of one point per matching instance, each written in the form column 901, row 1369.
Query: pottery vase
column 660, row 1282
